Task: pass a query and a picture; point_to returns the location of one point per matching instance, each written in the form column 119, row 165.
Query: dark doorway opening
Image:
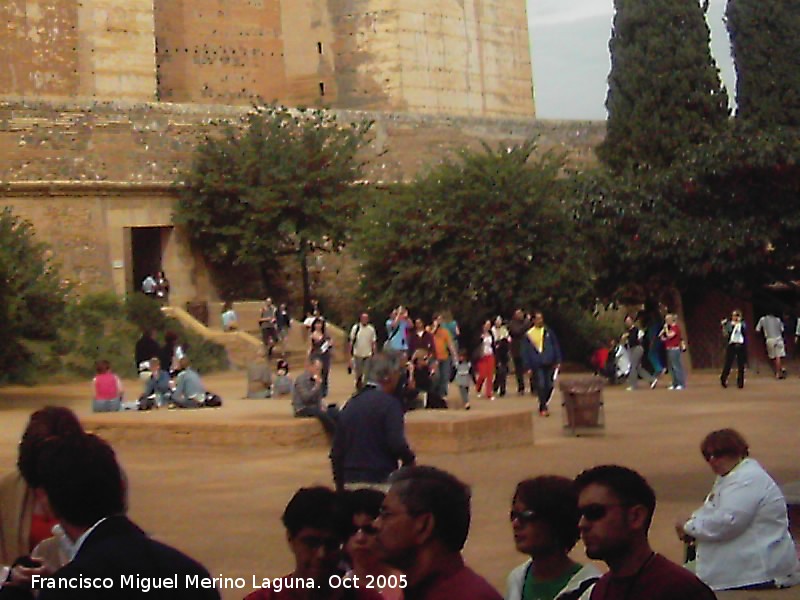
column 146, row 251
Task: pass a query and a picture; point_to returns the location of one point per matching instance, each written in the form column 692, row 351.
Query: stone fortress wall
column 451, row 57
column 103, row 101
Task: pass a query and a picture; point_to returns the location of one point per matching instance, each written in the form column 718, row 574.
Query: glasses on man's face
column 595, row 512
column 523, row 516
column 365, row 529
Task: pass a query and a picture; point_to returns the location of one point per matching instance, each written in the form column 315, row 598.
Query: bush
column 144, row 312
column 100, row 326
column 206, row 356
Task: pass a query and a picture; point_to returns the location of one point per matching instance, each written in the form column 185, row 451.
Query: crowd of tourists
column 66, row 533
column 168, row 379
column 653, row 345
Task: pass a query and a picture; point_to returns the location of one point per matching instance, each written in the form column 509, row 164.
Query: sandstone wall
column 86, row 175
column 235, row 51
column 455, row 57
column 88, row 226
column 135, row 143
column 63, row 48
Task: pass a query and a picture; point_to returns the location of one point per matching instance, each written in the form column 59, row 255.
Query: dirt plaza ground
column 222, row 505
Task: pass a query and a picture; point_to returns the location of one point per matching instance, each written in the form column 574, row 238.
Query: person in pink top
column 672, row 336
column 107, row 388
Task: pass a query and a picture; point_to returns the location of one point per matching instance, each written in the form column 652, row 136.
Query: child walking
column 464, row 377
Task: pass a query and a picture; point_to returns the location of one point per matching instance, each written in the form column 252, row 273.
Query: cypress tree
column 766, row 50
column 664, row 89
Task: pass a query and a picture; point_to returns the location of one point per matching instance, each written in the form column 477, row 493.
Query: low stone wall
column 429, row 432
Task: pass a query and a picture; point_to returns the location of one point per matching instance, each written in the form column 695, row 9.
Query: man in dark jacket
column 541, row 355
column 112, row 557
column 517, row 327
column 146, row 348
column 370, row 437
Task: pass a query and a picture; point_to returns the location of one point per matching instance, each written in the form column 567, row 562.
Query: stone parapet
column 153, row 142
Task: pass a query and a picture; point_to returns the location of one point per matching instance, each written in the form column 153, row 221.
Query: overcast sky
column 569, row 43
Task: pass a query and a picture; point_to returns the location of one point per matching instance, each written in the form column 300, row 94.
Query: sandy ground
column 223, row 505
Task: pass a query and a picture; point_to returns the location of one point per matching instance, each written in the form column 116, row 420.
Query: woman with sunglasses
column 544, row 519
column 742, row 530
column 360, row 547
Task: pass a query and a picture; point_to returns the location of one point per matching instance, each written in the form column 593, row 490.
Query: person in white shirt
column 734, row 331
column 362, row 343
column 742, row 529
column 772, row 328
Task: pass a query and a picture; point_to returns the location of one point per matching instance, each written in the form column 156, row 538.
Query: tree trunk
column 266, row 278
column 302, row 255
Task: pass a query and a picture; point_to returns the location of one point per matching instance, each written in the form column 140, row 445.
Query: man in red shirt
column 422, row 527
column 616, row 506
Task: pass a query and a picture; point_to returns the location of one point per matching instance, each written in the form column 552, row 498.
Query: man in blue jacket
column 541, row 354
column 370, row 440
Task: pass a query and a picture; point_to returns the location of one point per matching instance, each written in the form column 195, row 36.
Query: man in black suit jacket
column 111, row 556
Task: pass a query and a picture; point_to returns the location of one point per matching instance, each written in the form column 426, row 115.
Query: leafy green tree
column 765, row 48
column 31, row 295
column 482, row 234
column 285, row 184
column 725, row 215
column 664, row 90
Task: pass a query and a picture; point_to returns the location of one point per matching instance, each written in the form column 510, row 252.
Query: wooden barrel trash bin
column 582, row 403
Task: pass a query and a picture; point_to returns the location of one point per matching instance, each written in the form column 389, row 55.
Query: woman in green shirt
column 544, row 519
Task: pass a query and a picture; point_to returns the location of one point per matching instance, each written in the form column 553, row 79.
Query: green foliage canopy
column 664, row 90
column 726, row 214
column 766, row 48
column 483, row 235
column 284, row 184
column 32, row 298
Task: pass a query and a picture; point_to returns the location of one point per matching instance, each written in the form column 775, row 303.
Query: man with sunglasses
column 616, row 505
column 422, row 527
column 315, row 532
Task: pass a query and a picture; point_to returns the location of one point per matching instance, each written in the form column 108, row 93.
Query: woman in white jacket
column 544, row 519
column 742, row 529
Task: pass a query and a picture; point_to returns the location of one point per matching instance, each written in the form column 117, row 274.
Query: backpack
column 212, row 400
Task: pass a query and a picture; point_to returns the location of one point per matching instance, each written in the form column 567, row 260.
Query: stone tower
column 454, row 57
column 102, row 49
column 444, row 57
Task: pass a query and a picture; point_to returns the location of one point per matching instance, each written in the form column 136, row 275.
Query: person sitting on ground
column 259, row 377
column 742, row 530
column 189, row 389
column 157, row 387
column 422, row 528
column 107, row 389
column 84, row 487
column 282, row 383
column 314, row 531
column 230, row 322
column 544, row 520
column 146, row 347
column 307, row 396
column 169, row 353
column 361, row 548
column 24, row 520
